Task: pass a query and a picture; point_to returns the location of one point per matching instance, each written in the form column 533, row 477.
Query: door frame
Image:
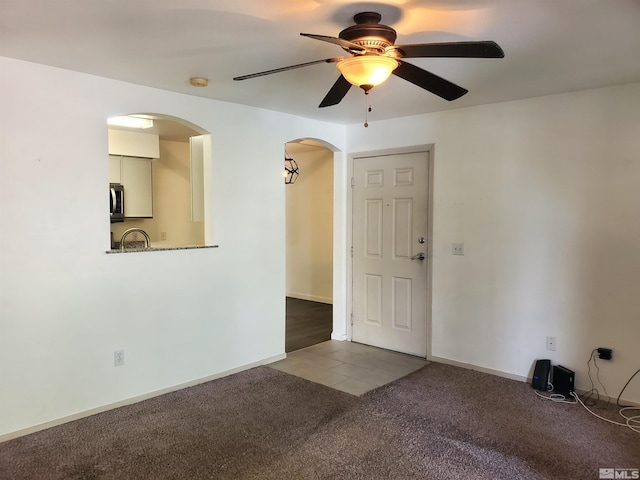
column 340, row 242
column 426, row 148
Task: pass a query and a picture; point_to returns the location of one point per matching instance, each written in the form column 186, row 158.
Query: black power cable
column 588, row 396
column 625, row 386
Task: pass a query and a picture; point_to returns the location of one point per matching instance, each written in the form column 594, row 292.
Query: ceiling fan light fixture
column 367, row 69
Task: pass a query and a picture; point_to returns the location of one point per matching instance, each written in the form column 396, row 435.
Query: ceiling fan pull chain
column 367, row 109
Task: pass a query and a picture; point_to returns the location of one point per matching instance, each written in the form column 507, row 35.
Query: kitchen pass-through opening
column 163, row 169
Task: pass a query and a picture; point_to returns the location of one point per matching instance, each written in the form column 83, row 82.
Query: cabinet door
column 133, row 144
column 114, row 169
column 138, row 187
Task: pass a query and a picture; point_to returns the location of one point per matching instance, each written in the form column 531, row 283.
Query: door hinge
column 351, row 251
column 352, row 319
column 352, row 182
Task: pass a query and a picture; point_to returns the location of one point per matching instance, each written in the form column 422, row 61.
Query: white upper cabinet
column 134, row 144
column 130, row 155
column 115, row 169
column 135, row 176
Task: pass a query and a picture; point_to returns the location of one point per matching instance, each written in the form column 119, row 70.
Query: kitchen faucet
column 147, row 240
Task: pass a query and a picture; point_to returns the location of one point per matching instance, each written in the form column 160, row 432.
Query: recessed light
column 130, row 121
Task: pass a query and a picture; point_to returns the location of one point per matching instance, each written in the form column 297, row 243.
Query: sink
column 143, row 244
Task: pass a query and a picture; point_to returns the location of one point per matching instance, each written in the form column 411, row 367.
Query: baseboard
column 470, row 366
column 311, row 298
column 104, row 408
column 613, row 400
column 521, row 378
column 338, row 336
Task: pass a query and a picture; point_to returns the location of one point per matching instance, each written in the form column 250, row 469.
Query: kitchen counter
column 136, row 248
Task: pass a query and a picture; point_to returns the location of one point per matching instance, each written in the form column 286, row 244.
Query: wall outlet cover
column 551, row 344
column 118, row 358
column 457, row 249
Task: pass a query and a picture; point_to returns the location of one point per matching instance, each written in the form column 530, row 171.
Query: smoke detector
column 199, row 81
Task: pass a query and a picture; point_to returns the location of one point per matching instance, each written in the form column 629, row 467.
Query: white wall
column 545, row 195
column 309, row 223
column 66, row 305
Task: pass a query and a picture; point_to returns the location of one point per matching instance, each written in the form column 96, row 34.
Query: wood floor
column 308, row 323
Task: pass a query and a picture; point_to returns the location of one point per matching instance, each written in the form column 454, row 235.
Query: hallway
column 308, row 323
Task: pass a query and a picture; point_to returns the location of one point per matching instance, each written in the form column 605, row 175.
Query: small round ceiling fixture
column 199, row 81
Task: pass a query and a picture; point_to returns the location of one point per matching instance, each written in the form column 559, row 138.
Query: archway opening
column 309, row 245
column 161, row 170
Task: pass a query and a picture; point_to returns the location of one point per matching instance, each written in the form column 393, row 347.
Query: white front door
column 390, row 220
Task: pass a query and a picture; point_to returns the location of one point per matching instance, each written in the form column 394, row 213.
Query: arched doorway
column 160, row 167
column 309, row 245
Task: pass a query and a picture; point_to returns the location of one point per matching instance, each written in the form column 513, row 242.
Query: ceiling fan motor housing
column 369, row 33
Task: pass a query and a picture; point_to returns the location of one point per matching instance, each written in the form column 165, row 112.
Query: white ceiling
column 551, row 46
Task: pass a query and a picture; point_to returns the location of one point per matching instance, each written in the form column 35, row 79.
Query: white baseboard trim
column 470, row 366
column 338, row 336
column 612, row 400
column 521, row 378
column 93, row 411
column 311, row 298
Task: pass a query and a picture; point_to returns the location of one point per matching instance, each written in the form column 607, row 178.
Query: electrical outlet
column 457, row 249
column 163, row 235
column 551, row 343
column 118, row 358
column 605, row 353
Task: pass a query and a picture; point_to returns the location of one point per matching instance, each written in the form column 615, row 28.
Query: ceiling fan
column 374, row 57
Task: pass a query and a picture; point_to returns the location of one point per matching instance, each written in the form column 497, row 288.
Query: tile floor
column 351, row 367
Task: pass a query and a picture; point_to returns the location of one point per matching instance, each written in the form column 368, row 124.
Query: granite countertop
column 138, row 246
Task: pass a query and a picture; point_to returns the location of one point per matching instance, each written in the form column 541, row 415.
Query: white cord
column 631, row 422
column 555, row 397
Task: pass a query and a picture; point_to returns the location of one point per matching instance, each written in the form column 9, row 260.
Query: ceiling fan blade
column 427, row 80
column 352, row 47
column 290, row 67
column 337, row 93
column 485, row 49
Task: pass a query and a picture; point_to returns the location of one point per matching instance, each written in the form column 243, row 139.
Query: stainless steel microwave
column 116, row 200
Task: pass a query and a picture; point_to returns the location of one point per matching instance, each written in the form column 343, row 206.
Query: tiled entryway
column 350, row 367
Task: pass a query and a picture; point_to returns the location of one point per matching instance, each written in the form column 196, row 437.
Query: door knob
column 419, row 256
